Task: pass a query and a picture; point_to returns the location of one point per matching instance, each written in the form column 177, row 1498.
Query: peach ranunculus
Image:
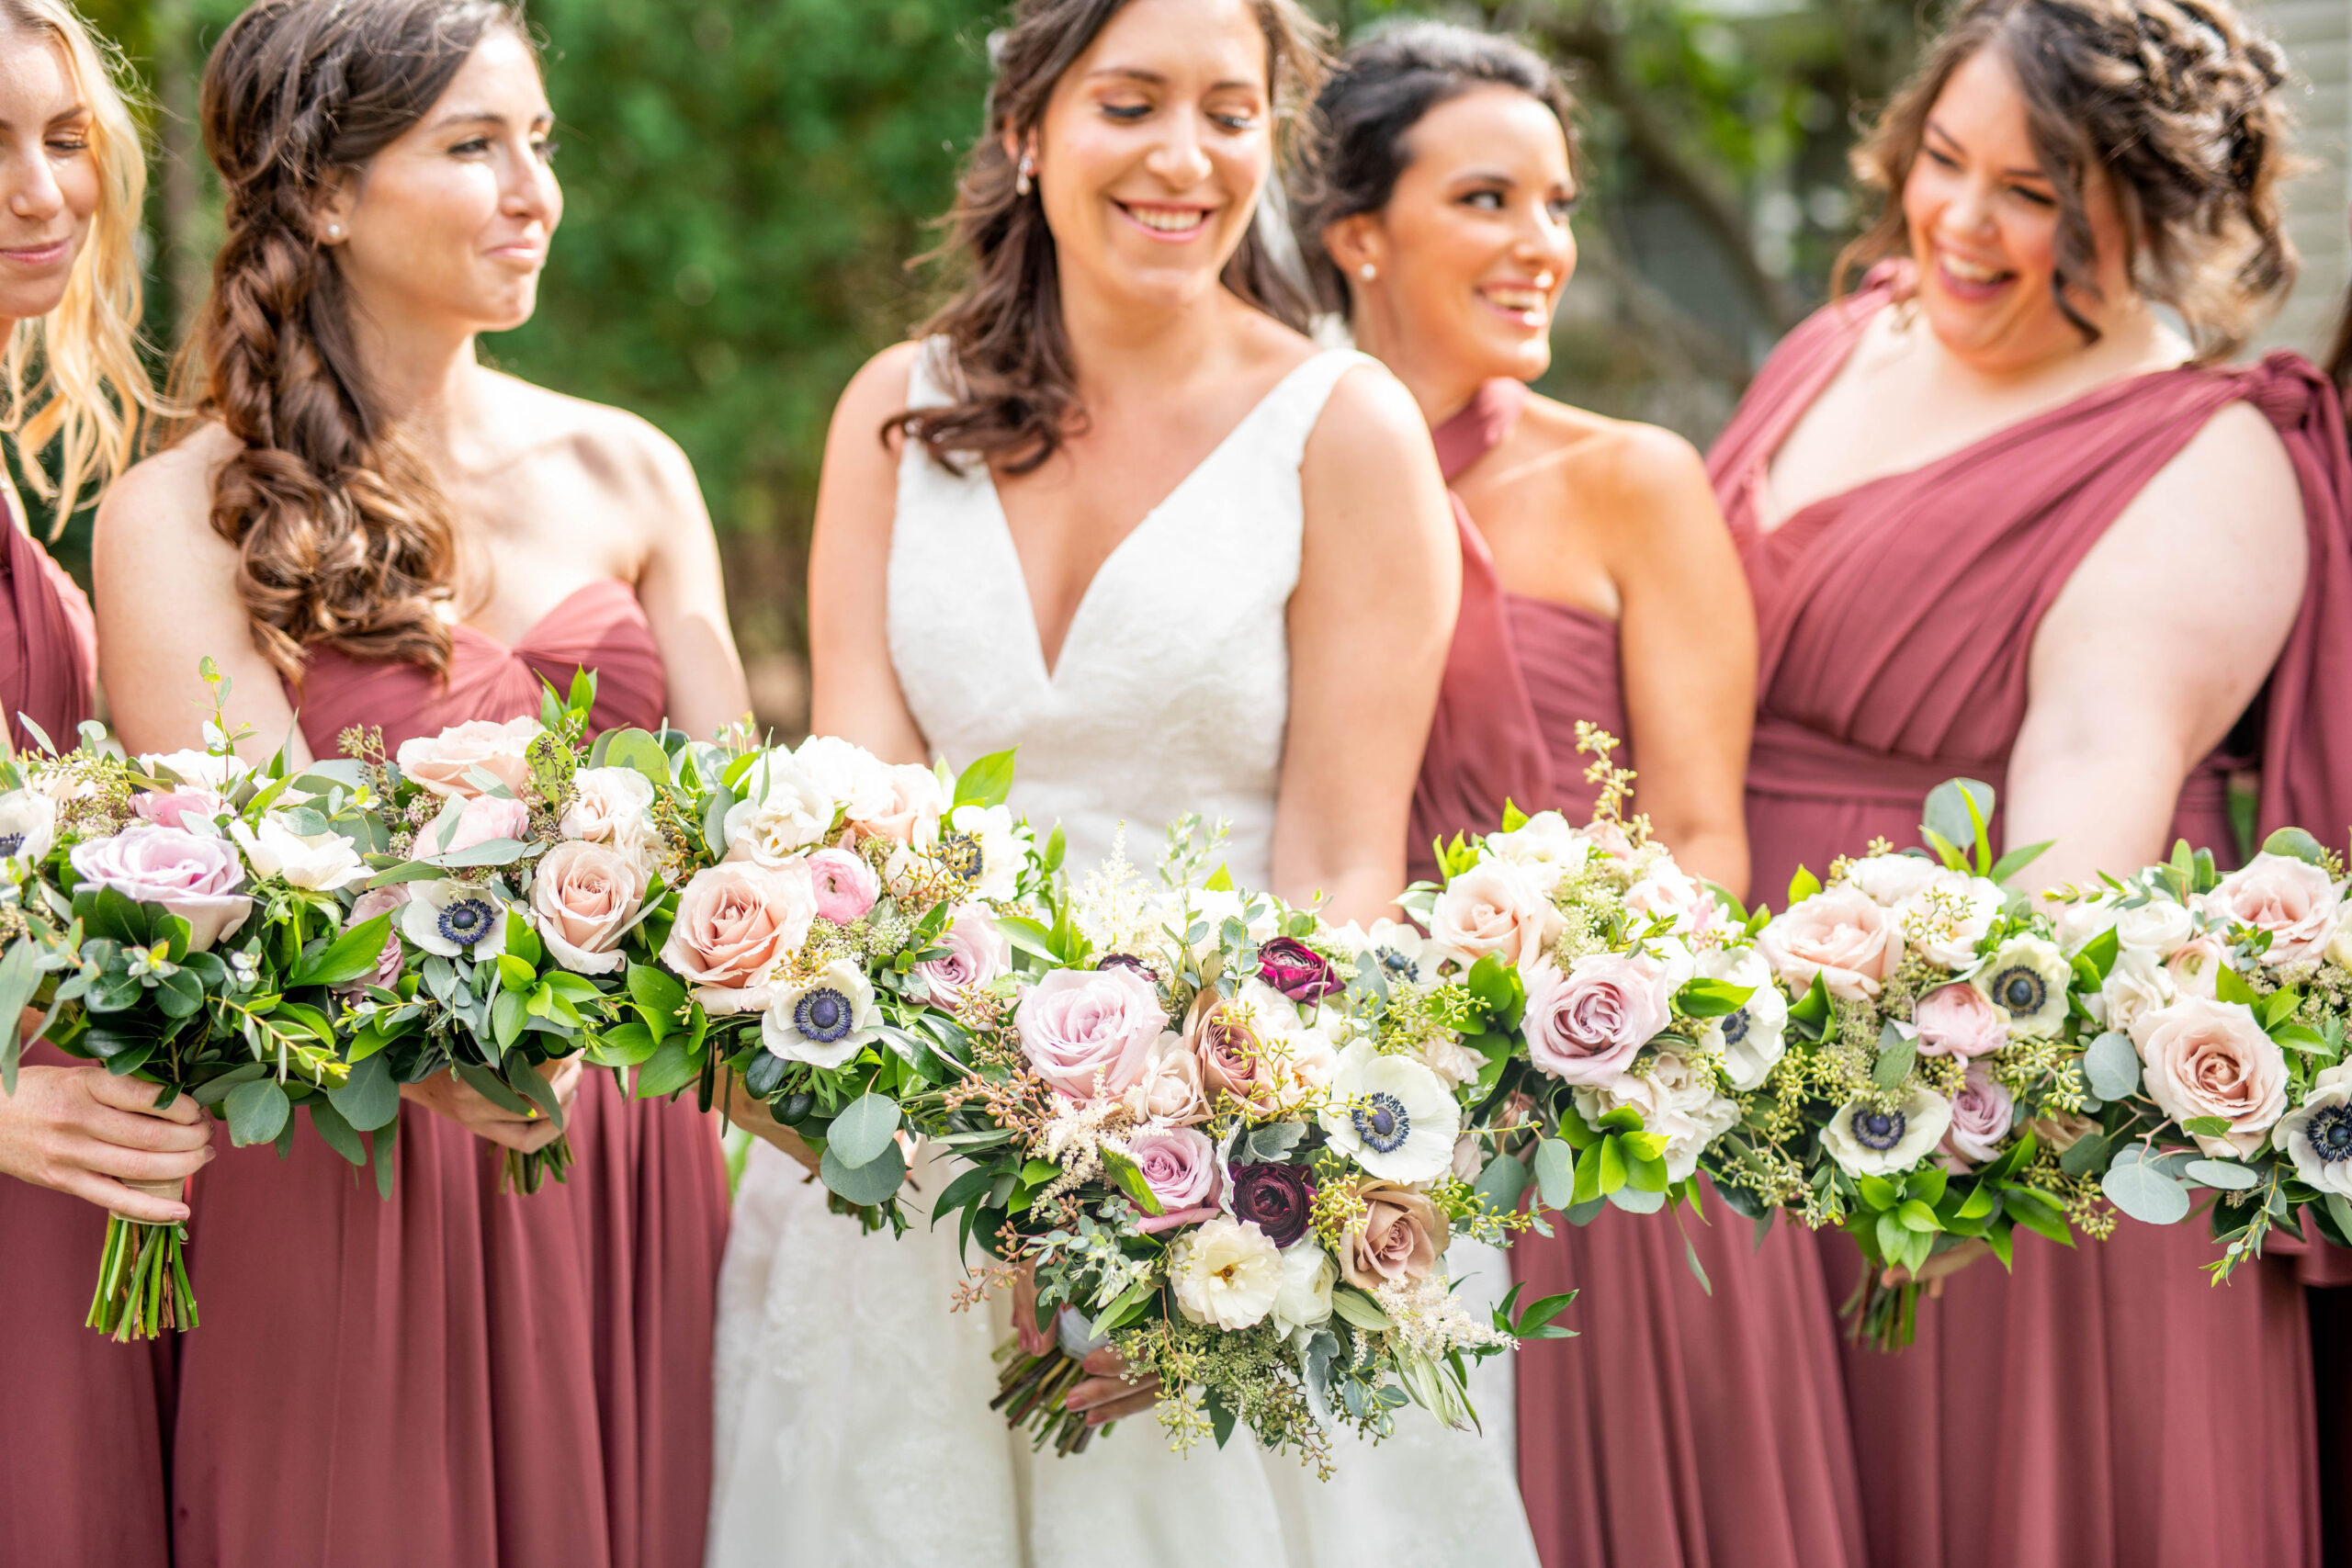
column 2212, row 1058
column 585, row 894
column 445, row 763
column 846, row 886
column 917, row 801
column 1495, row 907
column 1843, row 935
column 1400, row 1237
column 736, row 923
column 1956, row 1020
column 2291, row 899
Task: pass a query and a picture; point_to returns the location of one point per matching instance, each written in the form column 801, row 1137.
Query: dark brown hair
column 2177, row 100
column 1382, row 89
column 343, row 537
column 2339, row 357
column 1018, row 395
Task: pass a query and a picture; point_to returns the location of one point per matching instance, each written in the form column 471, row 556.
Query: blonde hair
column 74, row 377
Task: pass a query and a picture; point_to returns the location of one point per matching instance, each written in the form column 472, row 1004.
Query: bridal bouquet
column 2214, row 1011
column 1223, row 1136
column 516, row 868
column 179, row 919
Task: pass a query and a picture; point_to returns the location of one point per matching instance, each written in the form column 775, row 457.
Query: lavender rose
column 1277, row 1199
column 977, row 954
column 194, row 876
column 1296, row 970
column 1179, row 1164
column 1982, row 1114
column 1956, row 1020
column 1585, row 1026
column 1087, row 1032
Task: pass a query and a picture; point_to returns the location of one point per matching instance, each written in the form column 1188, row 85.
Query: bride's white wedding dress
column 852, row 1419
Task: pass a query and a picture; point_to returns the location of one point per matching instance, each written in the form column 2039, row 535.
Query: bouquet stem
column 1030, row 1392
column 527, row 1172
column 143, row 1274
column 1884, row 1316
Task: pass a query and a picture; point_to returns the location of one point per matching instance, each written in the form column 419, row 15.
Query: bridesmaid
column 1598, row 583
column 2002, row 520
column 366, row 525
column 83, row 1446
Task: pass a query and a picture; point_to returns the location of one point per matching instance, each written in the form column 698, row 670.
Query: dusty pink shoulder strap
column 47, row 657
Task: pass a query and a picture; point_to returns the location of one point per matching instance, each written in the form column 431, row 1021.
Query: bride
column 1119, row 513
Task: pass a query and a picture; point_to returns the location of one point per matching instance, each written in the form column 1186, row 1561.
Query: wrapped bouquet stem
column 142, row 1273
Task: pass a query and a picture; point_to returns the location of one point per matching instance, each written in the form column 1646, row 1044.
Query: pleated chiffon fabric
column 458, row 1376
column 2103, row 1407
column 1681, row 1429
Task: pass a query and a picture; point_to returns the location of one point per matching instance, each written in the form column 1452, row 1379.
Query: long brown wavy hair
column 343, row 537
column 2177, row 100
column 1018, row 399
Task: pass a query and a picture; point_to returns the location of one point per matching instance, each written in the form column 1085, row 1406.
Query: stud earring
column 1542, row 280
column 334, row 231
column 1023, row 177
column 1367, row 272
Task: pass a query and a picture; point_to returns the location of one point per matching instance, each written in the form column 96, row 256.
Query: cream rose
column 1944, row 920
column 910, row 816
column 2291, row 899
column 446, row 764
column 1888, row 880
column 735, row 923
column 2193, row 969
column 612, row 806
column 783, row 812
column 1305, row 1298
column 2159, row 927
column 856, row 779
column 1496, row 908
column 2135, row 987
column 1843, row 935
column 1169, row 1091
column 585, row 895
column 1544, row 845
column 2212, row 1058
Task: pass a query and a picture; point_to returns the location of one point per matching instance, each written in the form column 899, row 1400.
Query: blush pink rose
column 481, row 820
column 443, row 763
column 1400, row 1237
column 2291, row 899
column 1957, row 1021
column 736, row 923
column 1169, row 1091
column 2212, row 1058
column 1179, row 1164
column 1089, row 1031
column 1586, row 1026
column 977, row 955
column 585, row 895
column 912, row 814
column 374, row 902
column 1843, row 935
column 170, row 809
column 1982, row 1114
column 194, row 876
column 846, row 887
column 1667, row 891
column 1495, row 907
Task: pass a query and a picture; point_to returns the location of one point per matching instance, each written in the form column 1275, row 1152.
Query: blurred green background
column 744, row 179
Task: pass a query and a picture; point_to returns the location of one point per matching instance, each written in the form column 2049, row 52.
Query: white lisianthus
column 1391, row 1115
column 1944, row 920
column 1866, row 1141
column 984, row 844
column 2026, row 982
column 321, row 862
column 455, row 920
column 1679, row 1101
column 2317, row 1135
column 1752, row 1040
column 2136, row 986
column 1304, row 1300
column 2159, row 926
column 856, row 779
column 1888, row 880
column 783, row 810
column 826, row 1022
column 1545, row 843
column 27, row 824
column 1227, row 1273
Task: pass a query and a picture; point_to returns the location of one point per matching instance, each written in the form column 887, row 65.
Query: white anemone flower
column 784, row 811
column 1391, row 1115
column 2317, row 1135
column 2026, row 982
column 983, row 843
column 27, row 824
column 1869, row 1142
column 455, row 920
column 1752, row 1040
column 1226, row 1273
column 826, row 1022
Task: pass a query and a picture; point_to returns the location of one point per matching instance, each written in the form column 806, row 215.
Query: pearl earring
column 334, row 231
column 1367, row 272
column 1023, row 177
column 1542, row 280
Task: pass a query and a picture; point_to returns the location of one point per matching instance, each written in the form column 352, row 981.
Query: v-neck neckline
column 1049, row 673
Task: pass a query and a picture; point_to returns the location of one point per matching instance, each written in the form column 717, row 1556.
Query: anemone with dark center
column 1382, row 1123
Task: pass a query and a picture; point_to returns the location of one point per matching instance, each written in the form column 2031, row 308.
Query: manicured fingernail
column 179, row 1212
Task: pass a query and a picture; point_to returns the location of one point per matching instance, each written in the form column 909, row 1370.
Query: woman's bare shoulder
column 1622, row 468
column 167, row 496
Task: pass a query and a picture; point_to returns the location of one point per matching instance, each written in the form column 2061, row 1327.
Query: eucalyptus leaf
column 338, row 1132
column 257, row 1112
column 1896, row 1052
column 369, row 1098
column 2222, row 1173
column 2145, row 1193
column 2111, row 1063
column 1555, row 1171
column 1636, row 1201
column 1947, row 813
column 875, row 1181
column 864, row 1129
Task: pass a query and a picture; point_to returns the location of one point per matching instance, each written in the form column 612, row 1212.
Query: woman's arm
column 167, row 599
column 684, row 598
column 1687, row 649
column 854, row 689
column 1380, row 578
column 2153, row 650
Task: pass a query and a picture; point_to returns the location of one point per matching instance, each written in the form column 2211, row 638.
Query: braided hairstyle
column 2176, row 100
column 343, row 537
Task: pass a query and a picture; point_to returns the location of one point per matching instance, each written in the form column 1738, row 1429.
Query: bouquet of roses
column 830, row 911
column 517, row 867
column 1641, row 1019
column 2212, row 1010
column 1934, row 1093
column 179, row 919
column 1223, row 1138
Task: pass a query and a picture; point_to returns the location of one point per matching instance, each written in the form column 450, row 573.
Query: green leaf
column 659, row 996
column 636, row 749
column 1705, row 997
column 986, row 782
column 972, row 1184
column 2279, row 1006
column 1878, row 1191
column 2225, row 1174
column 1952, row 856
column 1613, row 1166
column 1503, row 1182
column 1956, row 811
column 2016, row 860
column 1978, row 1205
column 2208, row 1127
column 257, row 1112
column 369, row 1098
column 1513, row 817
column 1811, row 1009
column 2100, row 952
column 1917, row 1216
column 2145, row 1193
column 493, row 1088
column 670, row 1068
column 1896, row 1052
column 338, row 1132
column 179, row 993
column 863, row 1129
column 1637, row 1200
column 344, row 959
column 1129, row 1179
column 2294, row 841
column 1802, row 885
column 20, row 977
column 1555, row 1170
column 622, row 1045
column 2111, row 1066
column 2229, row 985
column 875, row 1181
column 1359, row 1311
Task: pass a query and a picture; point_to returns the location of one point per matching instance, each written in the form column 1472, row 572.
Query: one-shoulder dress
column 459, row 1376
column 2104, row 1406
column 1680, row 1427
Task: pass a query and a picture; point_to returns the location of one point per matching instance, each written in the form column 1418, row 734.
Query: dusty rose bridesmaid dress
column 1681, row 1430
column 459, row 1377
column 2103, row 1407
column 84, row 1423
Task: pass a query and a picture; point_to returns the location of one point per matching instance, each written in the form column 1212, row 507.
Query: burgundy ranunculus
column 1296, row 970
column 1127, row 961
column 1276, row 1198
